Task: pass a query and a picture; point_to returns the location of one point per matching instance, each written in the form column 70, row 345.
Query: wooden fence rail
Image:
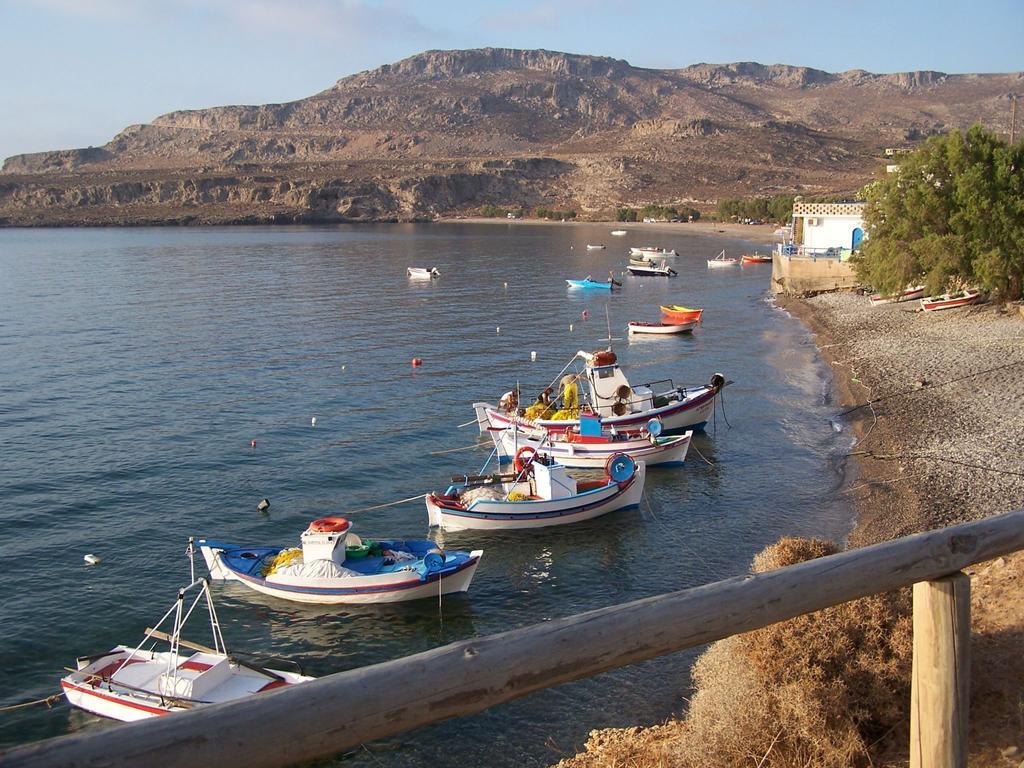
column 341, row 711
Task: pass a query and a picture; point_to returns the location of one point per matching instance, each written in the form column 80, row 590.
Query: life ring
column 522, row 463
column 620, row 468
column 330, row 525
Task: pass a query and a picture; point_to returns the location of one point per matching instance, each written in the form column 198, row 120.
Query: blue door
column 858, row 235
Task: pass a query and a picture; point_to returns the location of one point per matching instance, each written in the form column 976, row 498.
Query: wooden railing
column 341, row 711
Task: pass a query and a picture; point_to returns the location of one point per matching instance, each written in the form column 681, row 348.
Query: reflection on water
column 141, row 364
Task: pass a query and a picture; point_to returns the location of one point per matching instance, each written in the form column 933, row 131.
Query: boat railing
column 333, row 714
column 834, row 253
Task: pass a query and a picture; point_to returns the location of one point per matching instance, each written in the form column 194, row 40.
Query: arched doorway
column 858, row 235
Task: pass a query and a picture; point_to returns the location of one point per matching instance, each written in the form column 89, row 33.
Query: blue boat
column 589, row 282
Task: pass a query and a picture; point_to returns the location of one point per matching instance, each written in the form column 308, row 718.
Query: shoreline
column 758, row 232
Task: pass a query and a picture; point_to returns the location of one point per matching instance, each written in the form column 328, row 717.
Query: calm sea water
column 137, row 365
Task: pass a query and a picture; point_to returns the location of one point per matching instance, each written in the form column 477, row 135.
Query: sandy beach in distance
column 754, row 232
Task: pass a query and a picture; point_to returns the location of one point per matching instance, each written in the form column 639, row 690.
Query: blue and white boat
column 539, row 493
column 589, row 282
column 333, row 566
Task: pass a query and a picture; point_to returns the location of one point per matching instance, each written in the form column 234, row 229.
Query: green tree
column 625, row 214
column 953, row 215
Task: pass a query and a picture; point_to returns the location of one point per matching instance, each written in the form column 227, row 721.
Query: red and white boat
column 136, row 683
column 590, row 446
column 910, row 294
column 662, row 328
column 608, row 393
column 679, row 314
column 756, row 258
column 950, row 300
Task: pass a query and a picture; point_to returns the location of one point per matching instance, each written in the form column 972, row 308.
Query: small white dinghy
column 912, row 293
column 721, row 260
column 595, row 247
column 618, row 232
column 538, row 493
column 662, row 328
column 136, row 683
column 423, row 272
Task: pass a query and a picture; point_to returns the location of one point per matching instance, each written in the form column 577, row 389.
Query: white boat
column 950, row 300
column 662, row 328
column 651, row 252
column 334, row 566
column 539, row 493
column 912, row 293
column 610, row 395
column 595, row 247
column 590, row 447
column 136, row 683
column 650, row 270
column 722, row 261
column 423, row 272
column 618, row 232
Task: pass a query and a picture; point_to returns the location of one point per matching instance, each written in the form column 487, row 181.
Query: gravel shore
column 941, row 416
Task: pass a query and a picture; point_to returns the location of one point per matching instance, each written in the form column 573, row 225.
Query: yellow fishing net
column 517, row 496
column 281, row 559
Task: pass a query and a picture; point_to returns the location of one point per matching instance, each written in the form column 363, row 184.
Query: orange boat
column 678, row 314
column 756, row 258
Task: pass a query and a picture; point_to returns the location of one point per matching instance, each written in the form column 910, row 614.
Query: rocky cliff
column 416, row 138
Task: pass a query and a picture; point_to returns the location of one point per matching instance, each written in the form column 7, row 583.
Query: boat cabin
column 550, row 479
column 320, row 540
column 610, row 390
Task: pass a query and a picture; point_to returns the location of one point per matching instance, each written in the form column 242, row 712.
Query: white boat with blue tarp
column 538, row 493
column 334, row 566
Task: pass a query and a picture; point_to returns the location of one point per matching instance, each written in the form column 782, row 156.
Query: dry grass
column 827, row 689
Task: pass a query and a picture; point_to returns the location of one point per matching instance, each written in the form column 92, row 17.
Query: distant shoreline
column 763, row 232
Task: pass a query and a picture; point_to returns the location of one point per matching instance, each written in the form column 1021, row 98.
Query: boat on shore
column 721, row 260
column 651, row 270
column 950, row 300
column 610, row 395
column 589, row 446
column 662, row 328
column 911, row 293
column 679, row 314
column 618, row 232
column 537, row 494
column 334, row 566
column 755, row 258
column 137, row 683
column 423, row 272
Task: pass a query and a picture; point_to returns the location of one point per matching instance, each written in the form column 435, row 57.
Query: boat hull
column 486, row 515
column 911, row 294
column 395, row 587
column 674, row 315
column 651, row 271
column 662, row 328
column 589, row 284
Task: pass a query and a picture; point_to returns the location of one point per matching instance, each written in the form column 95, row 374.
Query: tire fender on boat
column 524, row 456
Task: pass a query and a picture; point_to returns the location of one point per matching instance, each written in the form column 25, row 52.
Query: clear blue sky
column 75, row 72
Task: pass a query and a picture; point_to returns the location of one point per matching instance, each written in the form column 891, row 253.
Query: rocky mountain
column 449, row 131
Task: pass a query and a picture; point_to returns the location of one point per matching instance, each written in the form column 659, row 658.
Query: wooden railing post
column 940, row 680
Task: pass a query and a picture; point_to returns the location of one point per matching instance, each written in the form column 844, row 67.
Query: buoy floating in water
column 570, row 326
column 263, row 506
column 585, row 314
column 506, row 286
column 498, row 329
column 417, row 362
column 533, row 356
column 252, row 443
column 312, row 422
column 92, row 559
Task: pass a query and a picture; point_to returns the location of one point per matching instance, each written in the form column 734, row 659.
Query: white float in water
column 92, row 559
column 263, row 506
column 312, row 422
column 498, row 329
column 533, row 356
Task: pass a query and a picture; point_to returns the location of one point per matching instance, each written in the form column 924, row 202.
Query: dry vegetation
column 826, row 689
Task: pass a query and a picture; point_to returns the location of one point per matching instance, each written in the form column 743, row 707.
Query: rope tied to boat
column 48, row 701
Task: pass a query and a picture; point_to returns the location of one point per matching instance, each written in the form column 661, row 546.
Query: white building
column 828, row 228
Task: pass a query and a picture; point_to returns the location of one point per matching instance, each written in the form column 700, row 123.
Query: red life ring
column 330, row 525
column 521, row 463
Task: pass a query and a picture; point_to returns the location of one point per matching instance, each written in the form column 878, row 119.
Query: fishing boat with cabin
column 334, row 566
column 137, row 683
column 537, row 494
column 650, row 269
column 609, row 394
